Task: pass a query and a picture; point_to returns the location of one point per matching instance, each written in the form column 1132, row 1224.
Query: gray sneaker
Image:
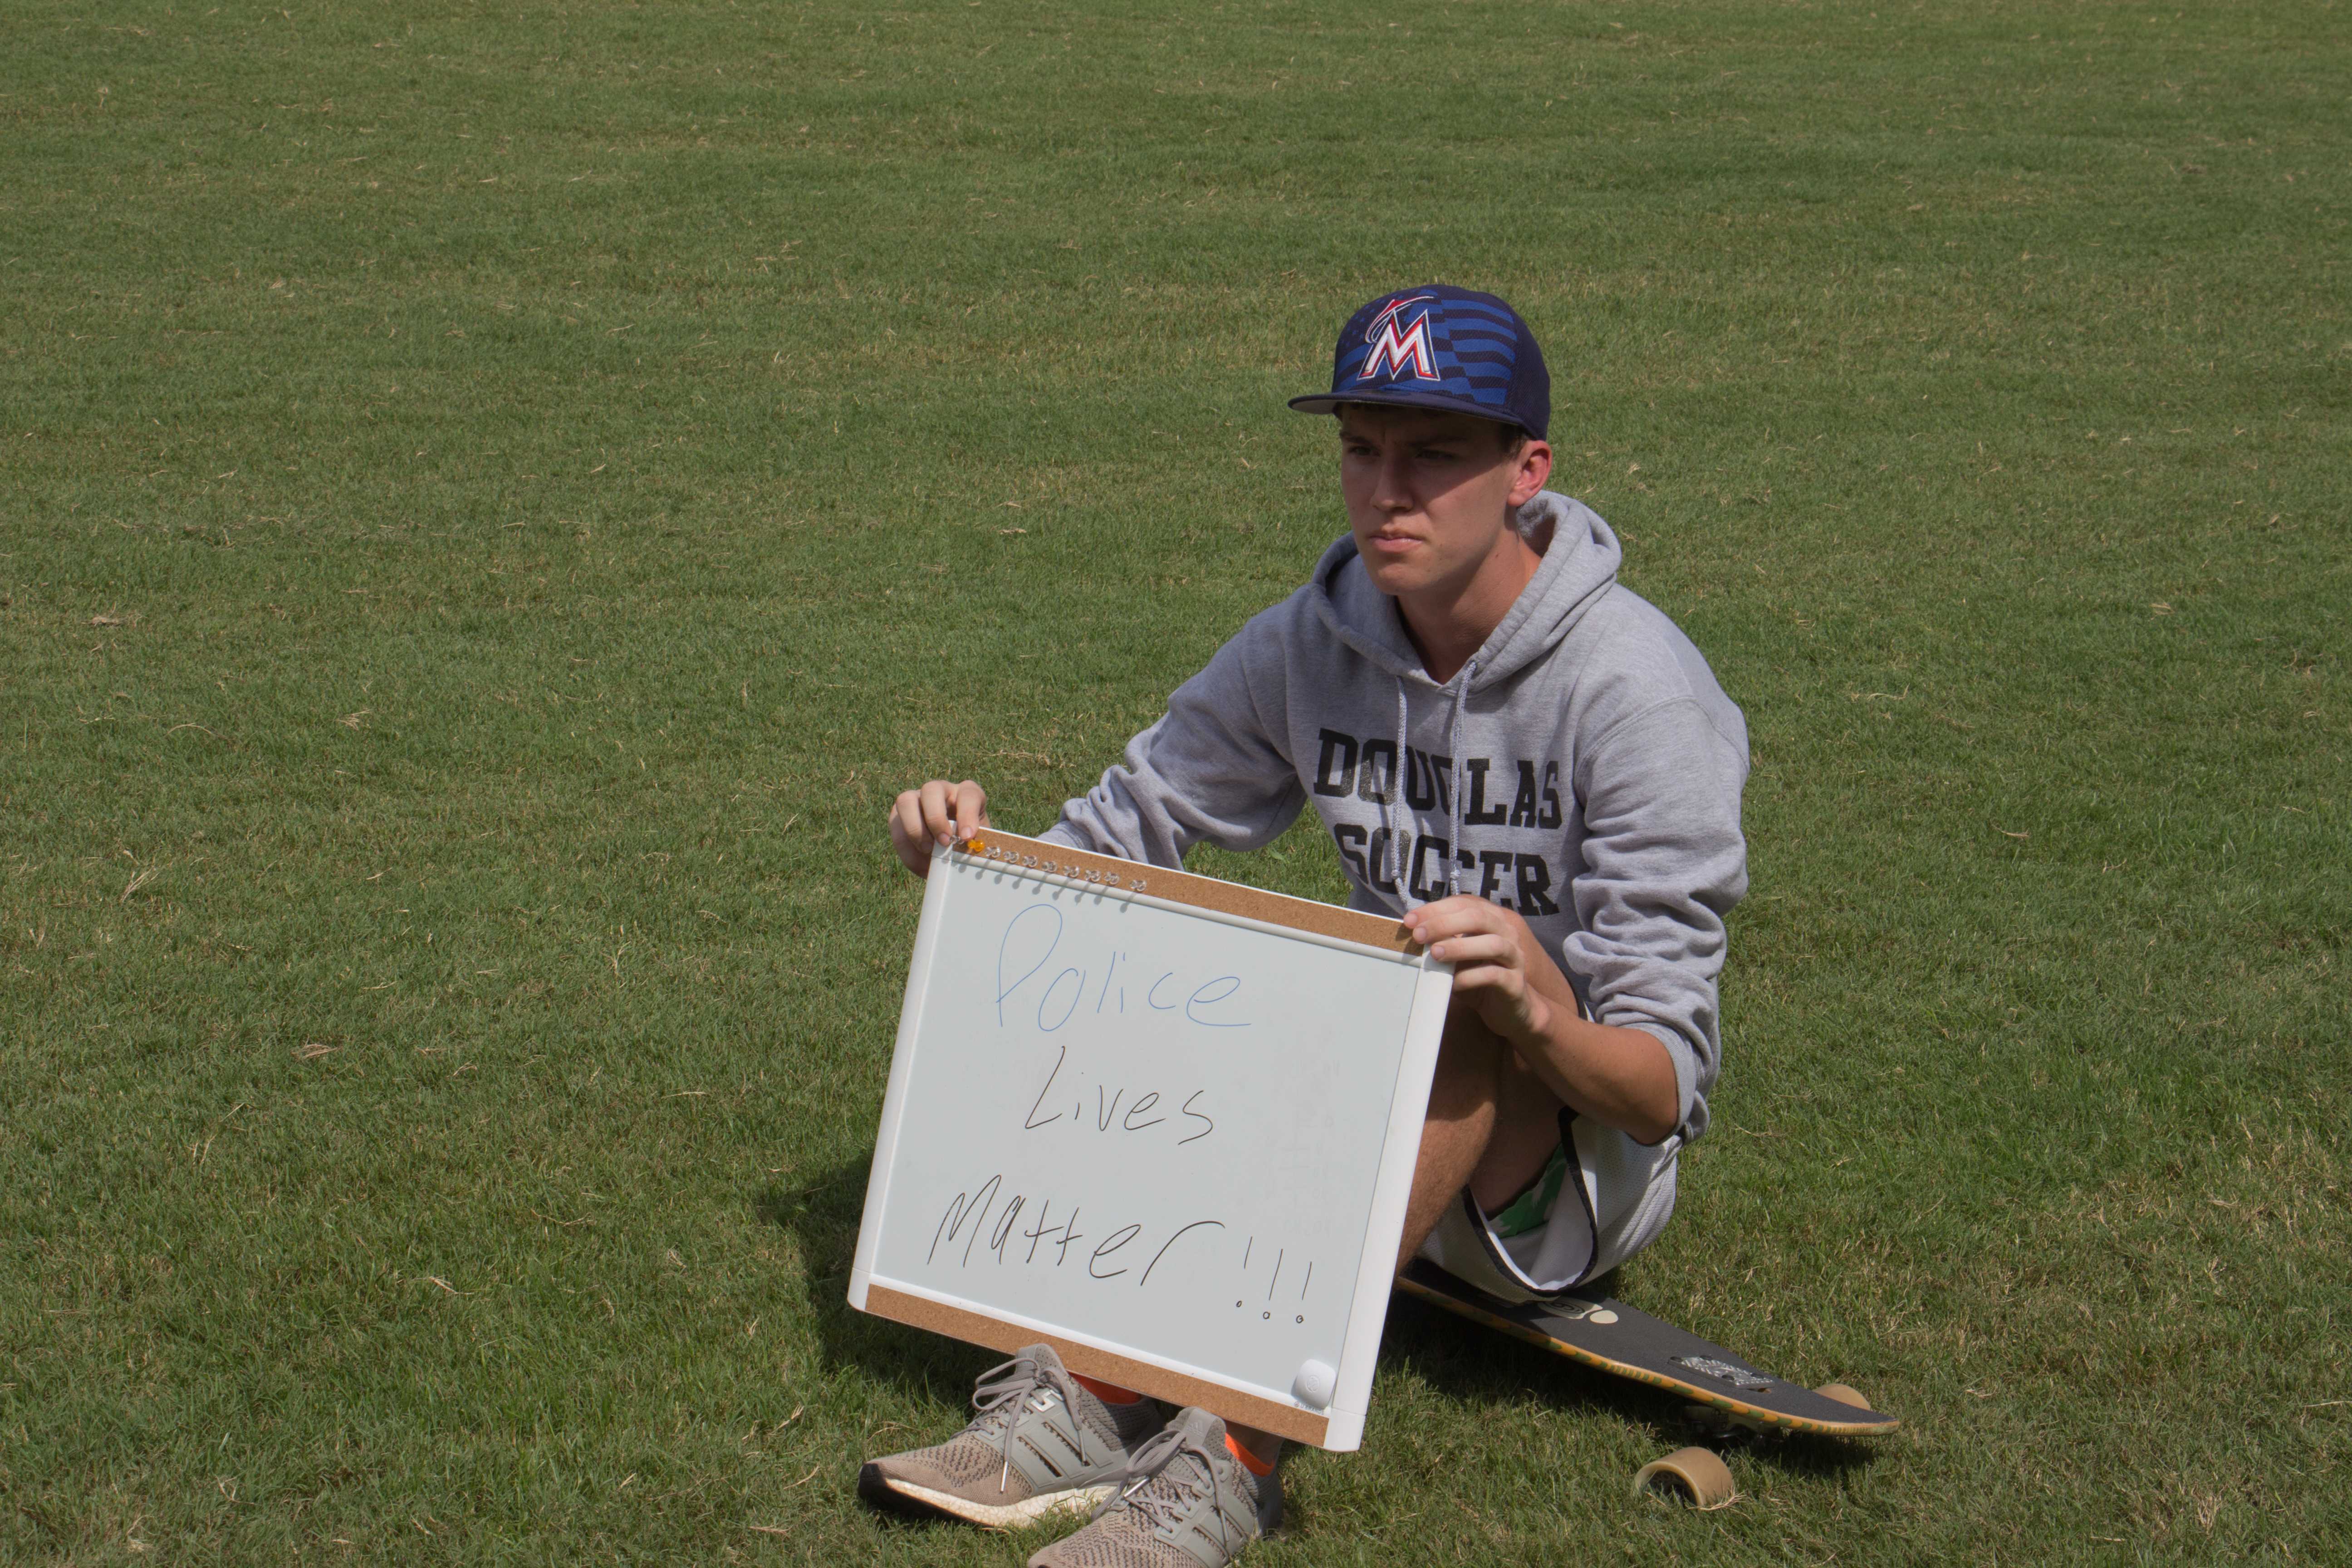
column 1040, row 1445
column 1186, row 1503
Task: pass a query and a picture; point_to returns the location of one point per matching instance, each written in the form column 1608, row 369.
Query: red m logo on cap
column 1399, row 352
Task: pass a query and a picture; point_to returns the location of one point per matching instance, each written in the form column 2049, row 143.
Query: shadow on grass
column 1460, row 1361
column 1463, row 1362
column 822, row 1215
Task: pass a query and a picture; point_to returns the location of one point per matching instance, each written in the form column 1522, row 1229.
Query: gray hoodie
column 1583, row 768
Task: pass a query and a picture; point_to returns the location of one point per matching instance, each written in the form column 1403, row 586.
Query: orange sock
column 1108, row 1392
column 1250, row 1461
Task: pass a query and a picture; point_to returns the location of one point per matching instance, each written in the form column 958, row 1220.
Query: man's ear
column 1535, row 468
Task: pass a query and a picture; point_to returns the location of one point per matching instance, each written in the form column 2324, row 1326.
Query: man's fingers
column 970, row 808
column 906, row 818
column 1483, row 948
column 938, row 811
column 1434, row 923
column 907, row 833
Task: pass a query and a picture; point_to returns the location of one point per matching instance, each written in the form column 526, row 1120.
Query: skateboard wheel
column 1712, row 1424
column 1844, row 1394
column 1694, row 1474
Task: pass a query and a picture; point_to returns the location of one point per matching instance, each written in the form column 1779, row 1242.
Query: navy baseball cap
column 1443, row 348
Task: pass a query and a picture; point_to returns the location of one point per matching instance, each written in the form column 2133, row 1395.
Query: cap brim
column 1438, row 401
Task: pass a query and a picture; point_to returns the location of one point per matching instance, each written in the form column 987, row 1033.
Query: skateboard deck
column 1609, row 1336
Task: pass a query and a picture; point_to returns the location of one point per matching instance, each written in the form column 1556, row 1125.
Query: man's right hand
column 939, row 812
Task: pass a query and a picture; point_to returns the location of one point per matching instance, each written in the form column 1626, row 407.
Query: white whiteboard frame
column 1340, row 1423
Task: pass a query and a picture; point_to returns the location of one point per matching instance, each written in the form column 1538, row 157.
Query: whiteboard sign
column 1165, row 1123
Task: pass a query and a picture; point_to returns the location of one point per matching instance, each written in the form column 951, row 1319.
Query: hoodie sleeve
column 1665, row 863
column 1213, row 768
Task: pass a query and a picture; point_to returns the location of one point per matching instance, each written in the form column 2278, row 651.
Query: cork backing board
column 1164, row 1123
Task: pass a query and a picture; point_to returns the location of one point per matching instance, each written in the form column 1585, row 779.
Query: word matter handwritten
column 984, row 1221
column 1110, row 1258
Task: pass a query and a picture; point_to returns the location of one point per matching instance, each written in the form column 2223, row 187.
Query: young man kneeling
column 1528, row 765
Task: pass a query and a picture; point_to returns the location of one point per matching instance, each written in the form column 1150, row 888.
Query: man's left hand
column 1499, row 967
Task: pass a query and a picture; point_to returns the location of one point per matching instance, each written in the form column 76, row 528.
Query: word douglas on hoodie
column 1519, row 794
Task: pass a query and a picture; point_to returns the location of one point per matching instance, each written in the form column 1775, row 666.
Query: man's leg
column 1491, row 1128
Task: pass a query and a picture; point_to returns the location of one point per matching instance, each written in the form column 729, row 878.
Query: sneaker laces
column 1001, row 1394
column 1155, row 1486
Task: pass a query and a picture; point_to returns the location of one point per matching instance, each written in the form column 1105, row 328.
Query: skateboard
column 1727, row 1395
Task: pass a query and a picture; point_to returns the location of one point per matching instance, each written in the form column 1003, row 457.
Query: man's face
column 1430, row 494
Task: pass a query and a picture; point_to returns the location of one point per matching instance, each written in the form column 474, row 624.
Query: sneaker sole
column 889, row 1490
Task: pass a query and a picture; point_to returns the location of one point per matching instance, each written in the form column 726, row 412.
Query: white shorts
column 1618, row 1197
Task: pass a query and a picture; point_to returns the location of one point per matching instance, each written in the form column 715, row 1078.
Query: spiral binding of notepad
column 979, row 848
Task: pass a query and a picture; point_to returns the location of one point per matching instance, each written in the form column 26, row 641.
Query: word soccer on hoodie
column 1583, row 768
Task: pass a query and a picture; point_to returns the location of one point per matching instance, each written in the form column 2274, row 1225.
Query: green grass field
column 493, row 500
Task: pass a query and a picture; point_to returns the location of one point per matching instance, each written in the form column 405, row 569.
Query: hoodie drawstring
column 1395, row 796
column 1390, row 862
column 1453, row 755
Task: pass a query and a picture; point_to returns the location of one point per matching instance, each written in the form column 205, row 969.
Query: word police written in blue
column 1038, row 928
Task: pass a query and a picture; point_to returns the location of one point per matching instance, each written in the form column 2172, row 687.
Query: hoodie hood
column 1581, row 556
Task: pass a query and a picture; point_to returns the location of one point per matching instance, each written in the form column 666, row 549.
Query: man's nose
column 1392, row 484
